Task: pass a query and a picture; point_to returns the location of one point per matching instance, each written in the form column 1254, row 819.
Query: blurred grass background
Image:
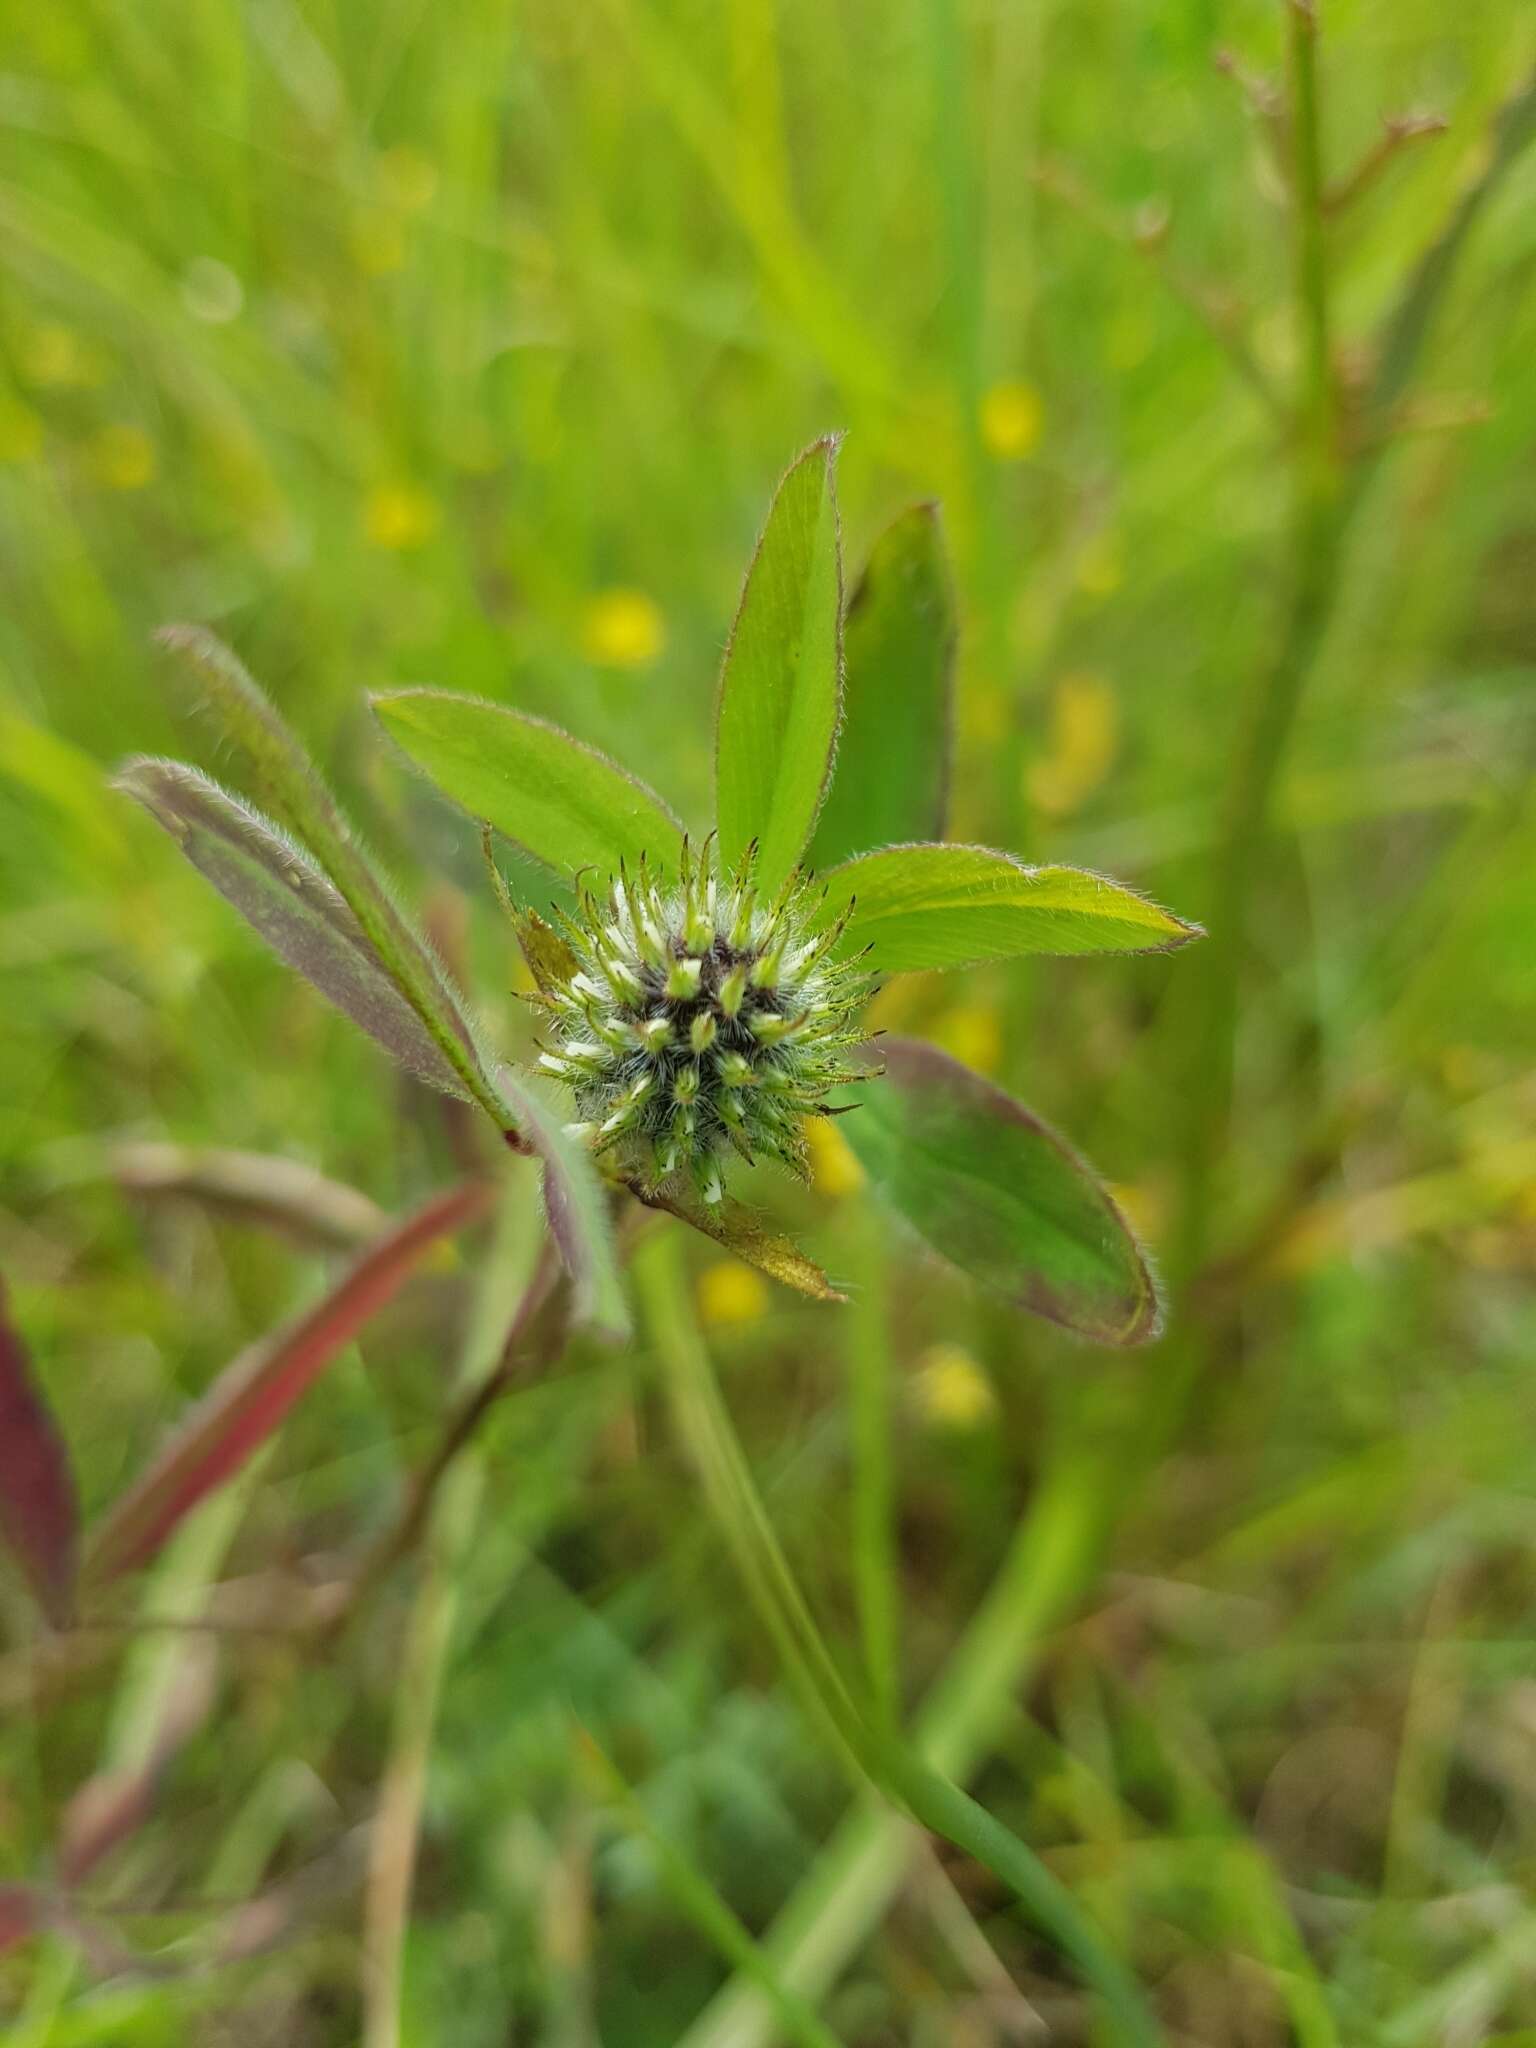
column 463, row 346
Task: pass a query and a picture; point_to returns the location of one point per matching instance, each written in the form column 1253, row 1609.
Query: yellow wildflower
column 622, row 629
column 399, row 516
column 834, row 1170
column 951, row 1391
column 1011, row 416
column 731, row 1293
column 973, row 1034
column 1084, row 734
column 56, row 358
column 122, row 457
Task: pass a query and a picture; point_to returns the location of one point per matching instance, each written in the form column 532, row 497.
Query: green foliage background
column 462, row 346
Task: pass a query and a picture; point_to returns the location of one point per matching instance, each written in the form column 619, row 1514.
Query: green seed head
column 702, row 1022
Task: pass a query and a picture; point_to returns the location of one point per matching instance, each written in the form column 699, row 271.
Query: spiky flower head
column 702, row 1021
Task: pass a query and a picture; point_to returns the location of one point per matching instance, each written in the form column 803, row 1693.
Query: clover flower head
column 703, row 1019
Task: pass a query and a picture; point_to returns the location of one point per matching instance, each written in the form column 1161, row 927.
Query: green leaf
column 781, row 684
column 281, row 893
column 561, row 799
column 999, row 1195
column 892, row 779
column 733, row 1225
column 956, row 906
column 576, row 1204
column 296, row 793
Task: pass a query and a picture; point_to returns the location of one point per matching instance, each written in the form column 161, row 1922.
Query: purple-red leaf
column 253, row 1395
column 39, row 1513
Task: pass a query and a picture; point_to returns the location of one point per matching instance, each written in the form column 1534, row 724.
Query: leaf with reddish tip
column 253, row 1395
column 999, row 1195
column 576, row 1205
column 282, row 895
column 39, row 1513
column 732, row 1225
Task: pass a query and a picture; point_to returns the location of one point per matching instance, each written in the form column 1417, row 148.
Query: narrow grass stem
column 871, row 1374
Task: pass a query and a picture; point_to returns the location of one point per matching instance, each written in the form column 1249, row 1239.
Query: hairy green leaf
column 296, row 793
column 554, row 795
column 999, row 1195
column 892, row 777
column 280, row 892
column 956, row 906
column 576, row 1204
column 781, row 683
column 733, row 1225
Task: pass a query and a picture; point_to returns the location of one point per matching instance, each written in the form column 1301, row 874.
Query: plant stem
column 875, row 1565
column 509, row 1272
column 1319, row 513
column 710, row 1913
column 891, row 1764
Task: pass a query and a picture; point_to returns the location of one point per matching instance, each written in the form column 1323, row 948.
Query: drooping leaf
column 733, row 1225
column 577, row 1207
column 999, row 1195
column 280, row 892
column 297, row 795
column 554, row 795
column 892, row 777
column 39, row 1512
column 956, row 906
column 253, row 1395
column 781, row 684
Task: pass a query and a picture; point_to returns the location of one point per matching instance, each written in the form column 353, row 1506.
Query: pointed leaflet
column 892, row 777
column 39, row 1514
column 577, row 1207
column 781, row 685
column 557, row 797
column 252, row 1396
column 280, row 892
column 296, row 793
column 956, row 906
column 732, row 1225
column 1001, row 1196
